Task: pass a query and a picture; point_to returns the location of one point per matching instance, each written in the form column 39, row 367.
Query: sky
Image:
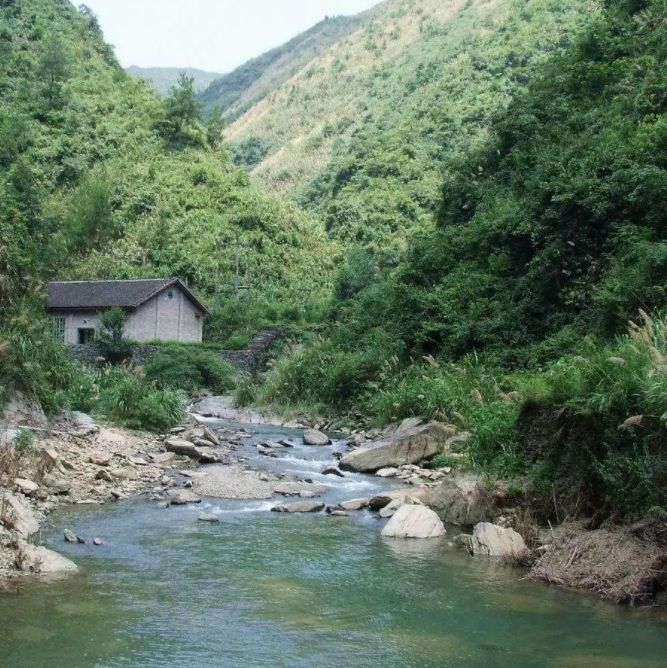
column 213, row 35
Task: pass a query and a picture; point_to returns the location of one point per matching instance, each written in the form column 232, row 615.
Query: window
column 86, row 335
column 58, row 329
column 170, row 294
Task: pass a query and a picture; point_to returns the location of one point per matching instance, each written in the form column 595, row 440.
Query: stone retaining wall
column 253, row 359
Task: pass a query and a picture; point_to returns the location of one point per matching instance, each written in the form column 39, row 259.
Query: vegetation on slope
column 101, row 178
column 163, row 78
column 234, row 93
column 550, row 236
column 362, row 134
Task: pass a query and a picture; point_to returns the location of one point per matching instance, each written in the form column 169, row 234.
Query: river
column 267, row 590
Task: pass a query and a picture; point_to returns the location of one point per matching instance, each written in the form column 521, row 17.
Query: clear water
column 291, row 591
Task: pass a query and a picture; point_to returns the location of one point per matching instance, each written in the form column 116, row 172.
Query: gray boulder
column 462, row 501
column 18, row 515
column 409, row 446
column 490, row 540
column 315, row 437
column 47, row 562
column 208, row 517
column 412, row 496
column 180, row 446
column 414, row 522
column 299, row 507
column 355, row 504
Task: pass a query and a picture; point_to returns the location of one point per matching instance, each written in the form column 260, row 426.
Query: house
column 156, row 309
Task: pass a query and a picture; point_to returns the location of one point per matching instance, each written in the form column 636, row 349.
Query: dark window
column 86, row 335
column 58, row 329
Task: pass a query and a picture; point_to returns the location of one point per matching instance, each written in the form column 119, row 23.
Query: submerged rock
column 405, row 447
column 414, row 522
column 208, row 517
column 490, row 540
column 332, row 470
column 299, row 507
column 315, row 437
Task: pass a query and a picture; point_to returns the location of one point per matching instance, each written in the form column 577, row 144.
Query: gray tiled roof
column 91, row 295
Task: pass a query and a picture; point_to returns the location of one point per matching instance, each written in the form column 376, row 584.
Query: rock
column 263, row 477
column 315, row 437
column 25, row 486
column 355, row 504
column 307, row 495
column 108, row 439
column 101, row 458
column 413, row 496
column 20, row 410
column 137, row 461
column 414, row 522
column 387, row 473
column 407, row 447
column 338, row 513
column 209, row 435
column 299, row 507
column 164, row 457
column 52, row 460
column 390, row 509
column 286, row 444
column 462, row 501
column 48, row 562
column 489, row 540
column 84, row 424
column 18, row 515
column 97, row 541
column 103, row 474
column 464, row 541
column 208, row 517
column 124, row 474
column 118, row 495
column 56, row 484
column 180, row 446
column 182, row 497
column 332, row 470
column 177, row 430
column 71, row 537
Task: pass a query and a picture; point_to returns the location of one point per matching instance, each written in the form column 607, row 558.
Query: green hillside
column 163, row 78
column 361, row 133
column 238, row 91
column 100, row 177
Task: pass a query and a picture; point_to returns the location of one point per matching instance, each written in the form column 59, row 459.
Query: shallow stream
column 267, row 590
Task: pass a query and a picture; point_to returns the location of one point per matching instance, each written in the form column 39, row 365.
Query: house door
column 86, row 335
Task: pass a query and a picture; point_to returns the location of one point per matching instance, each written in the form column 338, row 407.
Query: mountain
column 163, row 78
column 236, row 92
column 102, row 178
column 361, row 133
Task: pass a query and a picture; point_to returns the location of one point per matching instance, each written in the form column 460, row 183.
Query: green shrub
column 191, row 369
column 109, row 337
column 126, row 397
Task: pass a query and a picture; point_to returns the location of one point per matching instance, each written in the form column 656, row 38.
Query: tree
column 214, row 127
column 91, row 220
column 182, row 110
column 109, row 337
column 53, row 67
column 93, row 21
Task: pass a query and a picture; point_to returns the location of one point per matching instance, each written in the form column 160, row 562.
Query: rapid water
column 267, row 590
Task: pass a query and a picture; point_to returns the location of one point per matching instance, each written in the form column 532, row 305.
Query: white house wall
column 161, row 318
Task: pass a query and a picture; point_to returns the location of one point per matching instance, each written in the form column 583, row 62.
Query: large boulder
column 490, row 540
column 409, row 446
column 414, row 522
column 315, row 437
column 20, row 410
column 18, row 516
column 462, row 501
column 47, row 562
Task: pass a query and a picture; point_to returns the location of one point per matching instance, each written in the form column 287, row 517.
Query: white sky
column 214, row 35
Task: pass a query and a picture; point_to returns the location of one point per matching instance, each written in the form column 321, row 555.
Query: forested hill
column 100, row 177
column 163, row 78
column 236, row 92
column 362, row 133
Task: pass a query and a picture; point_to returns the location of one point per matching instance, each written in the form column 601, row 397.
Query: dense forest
column 467, row 214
